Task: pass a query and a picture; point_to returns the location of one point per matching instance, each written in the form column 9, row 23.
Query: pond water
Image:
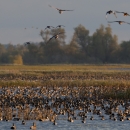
column 35, row 104
column 65, row 125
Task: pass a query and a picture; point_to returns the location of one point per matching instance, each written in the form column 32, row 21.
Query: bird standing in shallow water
column 60, row 10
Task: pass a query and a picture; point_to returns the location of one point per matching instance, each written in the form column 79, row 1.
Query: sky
column 16, row 15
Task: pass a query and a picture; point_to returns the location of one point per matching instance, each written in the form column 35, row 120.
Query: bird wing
column 59, row 33
column 115, row 14
column 52, row 26
column 119, row 12
column 125, row 22
column 106, row 15
column 45, row 28
column 50, row 38
column 67, row 10
column 60, row 26
column 54, row 7
column 112, row 21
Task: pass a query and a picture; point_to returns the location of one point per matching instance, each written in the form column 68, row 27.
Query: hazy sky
column 16, row 15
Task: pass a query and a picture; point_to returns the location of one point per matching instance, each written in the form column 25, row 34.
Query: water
column 65, row 125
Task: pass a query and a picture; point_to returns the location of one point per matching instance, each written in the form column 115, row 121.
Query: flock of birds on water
column 62, row 10
column 50, row 104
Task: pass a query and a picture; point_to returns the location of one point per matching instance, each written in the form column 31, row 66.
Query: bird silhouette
column 120, row 22
column 60, row 10
column 49, row 27
column 124, row 13
column 111, row 12
column 59, row 26
column 27, row 43
column 55, row 36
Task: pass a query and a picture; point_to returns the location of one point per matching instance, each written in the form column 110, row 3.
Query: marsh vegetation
column 71, row 92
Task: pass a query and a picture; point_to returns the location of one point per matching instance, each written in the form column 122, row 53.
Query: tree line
column 100, row 47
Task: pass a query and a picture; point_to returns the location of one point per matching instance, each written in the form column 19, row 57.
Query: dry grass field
column 111, row 79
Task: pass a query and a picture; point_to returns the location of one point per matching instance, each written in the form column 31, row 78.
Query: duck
column 124, row 13
column 54, row 123
column 33, row 127
column 102, row 118
column 60, row 10
column 91, row 118
column 55, row 36
column 59, row 26
column 111, row 12
column 13, row 127
column 27, row 43
column 49, row 27
column 120, row 22
column 23, row 122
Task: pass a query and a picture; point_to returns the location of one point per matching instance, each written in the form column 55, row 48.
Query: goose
column 13, row 127
column 59, row 26
column 124, row 13
column 49, row 27
column 111, row 12
column 55, row 36
column 120, row 22
column 60, row 10
column 33, row 127
column 23, row 122
column 27, row 43
column 54, row 123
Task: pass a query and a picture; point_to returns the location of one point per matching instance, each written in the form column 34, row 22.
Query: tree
column 82, row 39
column 103, row 44
column 17, row 59
column 125, row 52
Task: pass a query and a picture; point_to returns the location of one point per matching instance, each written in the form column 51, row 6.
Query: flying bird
column 27, row 43
column 55, row 36
column 124, row 13
column 49, row 27
column 59, row 26
column 60, row 10
column 120, row 22
column 111, row 12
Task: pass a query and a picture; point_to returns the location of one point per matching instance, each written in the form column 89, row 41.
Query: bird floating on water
column 33, row 127
column 60, row 10
column 13, row 127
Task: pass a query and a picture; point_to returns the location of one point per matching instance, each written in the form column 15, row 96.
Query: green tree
column 103, row 44
column 125, row 52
